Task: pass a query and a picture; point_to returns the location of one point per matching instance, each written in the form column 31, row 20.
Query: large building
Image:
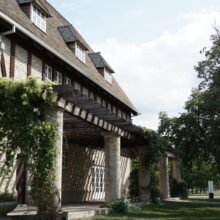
column 96, row 135
column 37, row 41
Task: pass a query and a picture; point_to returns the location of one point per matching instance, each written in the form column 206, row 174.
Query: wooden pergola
column 84, row 120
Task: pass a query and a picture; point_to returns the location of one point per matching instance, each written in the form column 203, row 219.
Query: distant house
column 96, row 121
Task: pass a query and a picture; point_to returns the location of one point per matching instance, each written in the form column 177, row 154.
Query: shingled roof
column 70, row 35
column 54, row 40
column 99, row 61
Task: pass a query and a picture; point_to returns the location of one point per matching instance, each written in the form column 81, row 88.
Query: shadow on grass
column 170, row 211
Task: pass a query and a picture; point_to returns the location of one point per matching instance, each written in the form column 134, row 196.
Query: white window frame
column 68, row 81
column 48, row 73
column 107, row 76
column 59, row 79
column 80, row 53
column 38, row 18
column 98, row 182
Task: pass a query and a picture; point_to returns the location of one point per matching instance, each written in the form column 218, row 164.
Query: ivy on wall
column 23, row 129
column 156, row 147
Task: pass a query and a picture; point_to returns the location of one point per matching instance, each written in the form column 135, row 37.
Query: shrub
column 178, row 189
column 119, row 206
column 6, row 197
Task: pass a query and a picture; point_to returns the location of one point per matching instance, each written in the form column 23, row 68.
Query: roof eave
column 62, row 57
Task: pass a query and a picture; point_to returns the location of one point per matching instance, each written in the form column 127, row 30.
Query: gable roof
column 54, row 40
column 99, row 61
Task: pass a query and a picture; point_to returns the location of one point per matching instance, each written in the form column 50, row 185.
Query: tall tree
column 196, row 132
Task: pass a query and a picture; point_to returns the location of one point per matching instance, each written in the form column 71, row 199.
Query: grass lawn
column 169, row 211
column 204, row 200
column 216, row 193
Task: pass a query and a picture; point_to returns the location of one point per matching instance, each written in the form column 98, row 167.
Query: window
column 80, row 53
column 68, row 81
column 98, row 182
column 48, row 73
column 108, row 76
column 38, row 18
column 59, row 78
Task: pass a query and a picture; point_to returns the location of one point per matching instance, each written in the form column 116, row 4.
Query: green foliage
column 196, row 132
column 134, row 183
column 119, row 206
column 200, row 168
column 7, row 197
column 156, row 146
column 154, row 184
column 178, row 189
column 24, row 106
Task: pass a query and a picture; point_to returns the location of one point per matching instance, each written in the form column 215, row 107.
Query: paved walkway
column 71, row 211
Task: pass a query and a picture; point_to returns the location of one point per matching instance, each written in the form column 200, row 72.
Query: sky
column 153, row 46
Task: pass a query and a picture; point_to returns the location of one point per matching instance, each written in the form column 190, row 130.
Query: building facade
column 36, row 41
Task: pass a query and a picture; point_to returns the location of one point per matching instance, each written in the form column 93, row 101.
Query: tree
column 196, row 132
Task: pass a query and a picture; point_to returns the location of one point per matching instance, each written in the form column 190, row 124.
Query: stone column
column 143, row 174
column 56, row 116
column 164, row 179
column 112, row 166
column 176, row 170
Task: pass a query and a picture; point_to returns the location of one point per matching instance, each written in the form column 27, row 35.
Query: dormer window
column 38, row 18
column 107, row 76
column 80, row 53
column 74, row 41
column 102, row 66
column 37, row 11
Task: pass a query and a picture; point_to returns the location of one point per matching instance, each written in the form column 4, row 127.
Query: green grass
column 168, row 211
column 216, row 193
column 204, row 200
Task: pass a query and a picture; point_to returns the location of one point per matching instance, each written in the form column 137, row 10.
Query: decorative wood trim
column 29, row 64
column 43, row 70
column 12, row 60
column 3, row 67
column 54, row 74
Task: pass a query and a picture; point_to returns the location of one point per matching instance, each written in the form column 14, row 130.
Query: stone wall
column 78, row 163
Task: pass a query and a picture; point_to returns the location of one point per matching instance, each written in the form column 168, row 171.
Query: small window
column 68, row 81
column 48, row 73
column 59, row 78
column 38, row 18
column 80, row 53
column 108, row 76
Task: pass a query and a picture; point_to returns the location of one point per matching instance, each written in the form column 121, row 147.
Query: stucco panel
column 7, row 53
column 21, row 57
column 36, row 70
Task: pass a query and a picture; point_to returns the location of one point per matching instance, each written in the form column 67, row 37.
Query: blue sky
column 128, row 20
column 152, row 46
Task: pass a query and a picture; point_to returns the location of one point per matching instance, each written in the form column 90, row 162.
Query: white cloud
column 158, row 75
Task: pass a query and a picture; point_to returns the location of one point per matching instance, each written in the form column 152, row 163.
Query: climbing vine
column 156, row 147
column 26, row 135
